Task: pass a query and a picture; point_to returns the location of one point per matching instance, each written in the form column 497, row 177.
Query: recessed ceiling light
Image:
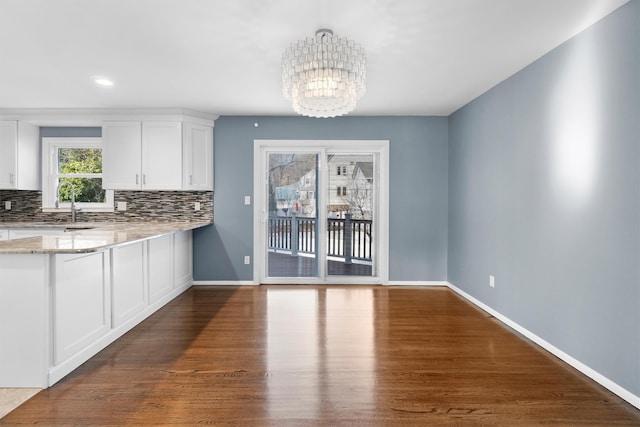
column 102, row 81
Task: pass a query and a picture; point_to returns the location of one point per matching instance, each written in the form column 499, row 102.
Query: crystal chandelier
column 324, row 76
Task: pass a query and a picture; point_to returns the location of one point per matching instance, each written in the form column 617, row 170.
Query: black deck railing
column 346, row 238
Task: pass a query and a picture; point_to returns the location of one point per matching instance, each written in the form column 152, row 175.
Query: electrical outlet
column 196, row 206
column 247, row 260
column 121, row 206
column 247, row 200
column 7, row 205
column 492, row 281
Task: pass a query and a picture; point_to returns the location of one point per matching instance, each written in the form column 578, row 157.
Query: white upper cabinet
column 162, row 155
column 20, row 156
column 197, row 157
column 142, row 155
column 121, row 155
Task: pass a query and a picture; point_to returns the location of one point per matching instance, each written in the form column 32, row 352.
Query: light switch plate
column 7, row 205
column 121, row 206
column 247, row 200
column 196, row 206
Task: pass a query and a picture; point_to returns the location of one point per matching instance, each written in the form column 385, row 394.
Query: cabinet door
column 29, row 167
column 162, row 155
column 160, row 259
column 128, row 282
column 81, row 302
column 198, row 157
column 24, row 320
column 9, row 150
column 183, row 258
column 121, row 155
column 4, row 235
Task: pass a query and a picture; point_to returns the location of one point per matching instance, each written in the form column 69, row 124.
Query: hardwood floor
column 302, row 355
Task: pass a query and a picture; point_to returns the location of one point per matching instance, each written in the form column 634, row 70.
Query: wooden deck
column 323, row 355
column 284, row 265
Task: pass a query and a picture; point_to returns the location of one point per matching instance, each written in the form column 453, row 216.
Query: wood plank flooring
column 303, row 355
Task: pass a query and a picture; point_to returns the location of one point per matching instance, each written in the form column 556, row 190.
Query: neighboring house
column 350, row 186
column 350, row 190
column 307, row 195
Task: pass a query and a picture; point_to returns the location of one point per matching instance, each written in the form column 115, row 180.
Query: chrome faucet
column 73, row 199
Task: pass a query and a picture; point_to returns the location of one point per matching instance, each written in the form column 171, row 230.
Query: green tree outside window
column 76, row 165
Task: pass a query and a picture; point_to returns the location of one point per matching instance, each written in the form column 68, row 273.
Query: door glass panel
column 291, row 228
column 350, row 215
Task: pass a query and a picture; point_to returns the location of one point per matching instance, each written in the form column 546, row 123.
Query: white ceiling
column 425, row 57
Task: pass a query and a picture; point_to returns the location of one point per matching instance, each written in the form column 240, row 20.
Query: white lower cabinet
column 145, row 272
column 59, row 310
column 128, row 282
column 4, row 235
column 81, row 302
column 24, row 332
column 160, row 264
column 183, row 258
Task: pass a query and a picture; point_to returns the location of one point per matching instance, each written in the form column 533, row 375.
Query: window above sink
column 79, row 162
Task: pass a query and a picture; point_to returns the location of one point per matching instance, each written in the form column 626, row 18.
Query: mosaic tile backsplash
column 157, row 206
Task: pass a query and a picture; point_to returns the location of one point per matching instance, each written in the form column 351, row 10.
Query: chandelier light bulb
column 324, row 76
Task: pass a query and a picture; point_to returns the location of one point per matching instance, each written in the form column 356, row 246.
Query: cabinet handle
column 144, row 179
column 11, row 178
column 190, row 179
column 137, row 179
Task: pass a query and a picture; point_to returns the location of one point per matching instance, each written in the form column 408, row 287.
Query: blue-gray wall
column 544, row 193
column 73, row 132
column 417, row 186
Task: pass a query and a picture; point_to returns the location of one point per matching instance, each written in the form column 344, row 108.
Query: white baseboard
column 415, row 283
column 224, row 283
column 586, row 370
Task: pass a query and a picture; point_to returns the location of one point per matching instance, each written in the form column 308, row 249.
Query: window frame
column 50, row 175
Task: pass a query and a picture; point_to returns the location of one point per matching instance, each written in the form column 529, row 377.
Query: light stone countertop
column 72, row 238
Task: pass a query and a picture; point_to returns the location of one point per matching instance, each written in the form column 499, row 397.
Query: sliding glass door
column 292, row 214
column 322, row 211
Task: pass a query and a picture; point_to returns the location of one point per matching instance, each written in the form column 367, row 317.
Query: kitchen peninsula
column 71, row 290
